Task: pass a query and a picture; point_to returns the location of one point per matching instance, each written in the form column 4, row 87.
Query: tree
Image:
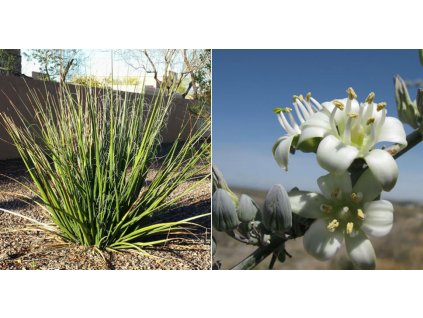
column 57, row 64
column 10, row 61
column 171, row 68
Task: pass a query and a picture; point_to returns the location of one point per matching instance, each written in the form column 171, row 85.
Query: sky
column 97, row 62
column 248, row 84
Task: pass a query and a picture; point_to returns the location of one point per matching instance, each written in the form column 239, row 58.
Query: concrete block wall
column 17, row 90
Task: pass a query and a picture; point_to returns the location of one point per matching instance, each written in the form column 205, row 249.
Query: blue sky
column 97, row 63
column 248, row 84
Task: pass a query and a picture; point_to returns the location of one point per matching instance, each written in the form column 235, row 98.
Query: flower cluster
column 340, row 132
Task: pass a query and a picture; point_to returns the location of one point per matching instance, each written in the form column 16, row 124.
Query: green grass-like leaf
column 89, row 151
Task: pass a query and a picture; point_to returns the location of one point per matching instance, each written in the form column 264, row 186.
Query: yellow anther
column 380, row 106
column 333, row 225
column 278, row 110
column 351, row 93
column 294, row 98
column 352, row 115
column 360, row 214
column 356, row 197
column 326, row 208
column 301, row 98
column 370, row 98
column 338, row 104
column 308, row 96
column 350, row 227
column 370, row 121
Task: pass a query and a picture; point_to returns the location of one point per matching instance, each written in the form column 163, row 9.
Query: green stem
column 259, row 254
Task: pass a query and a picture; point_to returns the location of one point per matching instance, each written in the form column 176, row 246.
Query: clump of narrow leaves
column 89, row 151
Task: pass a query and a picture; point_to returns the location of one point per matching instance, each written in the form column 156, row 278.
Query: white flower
column 344, row 212
column 304, row 109
column 351, row 131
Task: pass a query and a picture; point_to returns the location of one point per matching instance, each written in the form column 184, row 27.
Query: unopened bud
column 219, row 182
column 224, row 216
column 407, row 109
column 247, row 209
column 277, row 213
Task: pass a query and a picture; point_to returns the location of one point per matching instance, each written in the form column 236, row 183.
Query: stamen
column 380, row 106
column 332, row 121
column 352, row 115
column 316, row 103
column 370, row 98
column 293, row 122
column 381, row 120
column 326, row 208
column 333, row 225
column 356, row 197
column 308, row 96
column 350, row 227
column 284, row 123
column 297, row 111
column 370, row 121
column 360, row 214
column 351, row 93
column 372, row 137
column 277, row 110
column 338, row 104
column 306, row 105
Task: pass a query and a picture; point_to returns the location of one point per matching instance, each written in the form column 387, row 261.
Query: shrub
column 89, row 153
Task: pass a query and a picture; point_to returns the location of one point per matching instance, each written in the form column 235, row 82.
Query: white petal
column 335, row 182
column 392, row 131
column 383, row 167
column 335, row 156
column 368, row 185
column 361, row 251
column 319, row 119
column 281, row 152
column 312, row 132
column 306, row 204
column 321, row 243
column 316, row 126
column 379, row 217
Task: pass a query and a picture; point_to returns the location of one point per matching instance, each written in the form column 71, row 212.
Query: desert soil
column 21, row 248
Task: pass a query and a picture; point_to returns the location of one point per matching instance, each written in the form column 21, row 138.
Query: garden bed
column 22, row 248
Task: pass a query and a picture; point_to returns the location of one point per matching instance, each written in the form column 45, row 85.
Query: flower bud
column 247, row 208
column 277, row 213
column 219, row 182
column 407, row 109
column 224, row 216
